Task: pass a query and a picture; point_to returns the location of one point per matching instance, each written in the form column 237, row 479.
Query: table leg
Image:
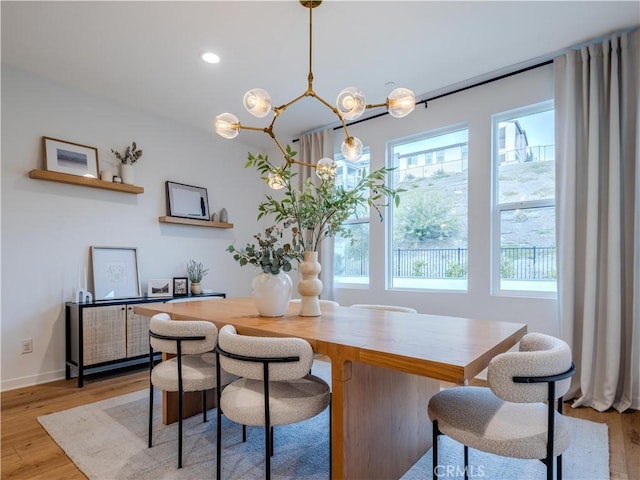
column 380, row 426
column 192, row 404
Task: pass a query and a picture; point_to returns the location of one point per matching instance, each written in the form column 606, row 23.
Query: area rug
column 107, row 440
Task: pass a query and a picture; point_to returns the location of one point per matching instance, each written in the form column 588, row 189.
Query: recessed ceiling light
column 210, row 57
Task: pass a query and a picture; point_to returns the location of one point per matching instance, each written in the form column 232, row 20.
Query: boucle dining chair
column 193, row 368
column 275, row 387
column 389, row 308
column 511, row 418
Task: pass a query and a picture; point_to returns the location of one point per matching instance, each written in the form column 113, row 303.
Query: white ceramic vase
column 128, row 173
column 271, row 293
column 310, row 287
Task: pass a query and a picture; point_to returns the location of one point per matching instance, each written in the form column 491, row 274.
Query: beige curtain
column 313, row 147
column 598, row 218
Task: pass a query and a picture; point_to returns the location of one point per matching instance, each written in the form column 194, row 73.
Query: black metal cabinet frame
column 75, row 336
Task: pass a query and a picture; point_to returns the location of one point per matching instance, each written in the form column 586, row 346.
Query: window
column 524, row 241
column 428, row 231
column 351, row 253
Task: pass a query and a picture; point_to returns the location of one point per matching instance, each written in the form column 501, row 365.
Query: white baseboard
column 31, row 380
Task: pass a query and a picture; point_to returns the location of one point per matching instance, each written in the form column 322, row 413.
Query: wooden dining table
column 385, row 366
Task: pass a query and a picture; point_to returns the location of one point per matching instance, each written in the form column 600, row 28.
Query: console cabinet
column 105, row 335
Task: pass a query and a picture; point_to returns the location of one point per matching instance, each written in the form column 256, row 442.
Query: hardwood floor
column 29, row 453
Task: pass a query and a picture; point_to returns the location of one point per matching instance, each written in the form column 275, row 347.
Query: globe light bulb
column 326, row 169
column 351, row 103
column 227, row 125
column 352, row 148
column 257, row 102
column 274, row 180
column 401, row 102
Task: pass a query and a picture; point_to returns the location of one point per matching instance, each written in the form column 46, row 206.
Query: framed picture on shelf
column 115, row 272
column 160, row 287
column 187, row 201
column 180, row 287
column 68, row 157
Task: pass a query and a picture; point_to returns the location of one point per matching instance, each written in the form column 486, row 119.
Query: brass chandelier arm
column 334, row 110
column 282, row 108
column 257, row 129
column 269, row 131
column 378, row 105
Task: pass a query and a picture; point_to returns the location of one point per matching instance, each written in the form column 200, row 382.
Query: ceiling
column 146, row 54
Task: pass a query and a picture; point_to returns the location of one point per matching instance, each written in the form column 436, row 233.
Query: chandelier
column 350, row 105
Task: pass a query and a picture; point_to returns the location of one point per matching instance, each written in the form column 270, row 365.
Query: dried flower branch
column 130, row 156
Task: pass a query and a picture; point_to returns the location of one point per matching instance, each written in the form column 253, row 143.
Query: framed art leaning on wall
column 115, row 272
column 160, row 287
column 187, row 201
column 180, row 285
column 68, row 157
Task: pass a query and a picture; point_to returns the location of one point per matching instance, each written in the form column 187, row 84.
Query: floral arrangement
column 195, row 271
column 130, row 156
column 268, row 254
column 319, row 210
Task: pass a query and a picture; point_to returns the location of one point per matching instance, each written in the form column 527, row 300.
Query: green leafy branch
column 268, row 254
column 319, row 210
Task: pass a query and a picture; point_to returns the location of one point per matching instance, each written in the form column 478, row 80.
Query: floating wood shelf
column 193, row 221
column 84, row 181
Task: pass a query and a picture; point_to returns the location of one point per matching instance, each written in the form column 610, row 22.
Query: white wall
column 474, row 106
column 47, row 228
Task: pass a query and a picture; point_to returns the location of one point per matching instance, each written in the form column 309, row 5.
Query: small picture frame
column 115, row 272
column 180, row 286
column 160, row 287
column 187, row 201
column 71, row 158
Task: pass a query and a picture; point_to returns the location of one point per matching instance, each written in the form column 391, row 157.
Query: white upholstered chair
column 275, row 387
column 389, row 308
column 511, row 418
column 193, row 368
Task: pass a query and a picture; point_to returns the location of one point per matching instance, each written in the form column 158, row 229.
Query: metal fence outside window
column 521, row 263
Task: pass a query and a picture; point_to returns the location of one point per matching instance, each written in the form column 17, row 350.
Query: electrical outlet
column 27, row 345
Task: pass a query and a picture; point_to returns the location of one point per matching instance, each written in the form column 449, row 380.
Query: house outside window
column 351, row 253
column 523, row 223
column 428, row 230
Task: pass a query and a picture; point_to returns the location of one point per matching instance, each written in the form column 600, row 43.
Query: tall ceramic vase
column 310, row 287
column 271, row 293
column 128, row 173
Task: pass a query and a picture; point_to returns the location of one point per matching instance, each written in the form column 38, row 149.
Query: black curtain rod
column 468, row 87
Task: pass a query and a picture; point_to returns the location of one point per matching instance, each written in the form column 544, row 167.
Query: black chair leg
column 559, row 469
column 244, row 434
column 466, row 462
column 272, row 441
column 150, row 414
column 218, row 419
column 204, row 406
column 180, row 429
column 267, row 451
column 436, row 432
